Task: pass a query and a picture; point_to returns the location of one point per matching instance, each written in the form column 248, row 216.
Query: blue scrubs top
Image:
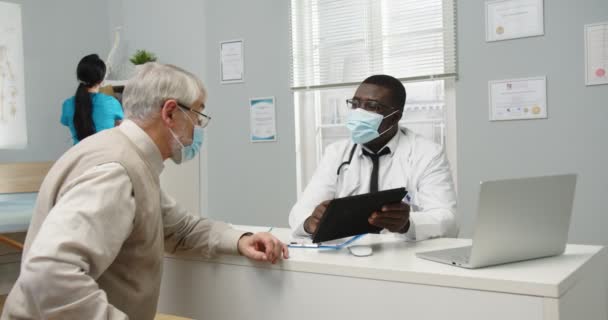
column 106, row 110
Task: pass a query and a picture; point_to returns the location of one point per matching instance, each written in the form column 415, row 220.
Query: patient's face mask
column 363, row 125
column 183, row 153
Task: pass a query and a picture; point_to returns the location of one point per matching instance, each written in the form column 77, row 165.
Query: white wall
column 572, row 139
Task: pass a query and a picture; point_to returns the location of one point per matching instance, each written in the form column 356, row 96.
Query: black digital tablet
column 348, row 216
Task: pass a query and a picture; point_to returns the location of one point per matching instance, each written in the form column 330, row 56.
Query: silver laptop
column 517, row 219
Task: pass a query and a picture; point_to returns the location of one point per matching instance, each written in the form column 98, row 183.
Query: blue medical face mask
column 363, row 125
column 186, row 153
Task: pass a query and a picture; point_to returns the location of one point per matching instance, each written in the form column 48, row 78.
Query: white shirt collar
column 391, row 144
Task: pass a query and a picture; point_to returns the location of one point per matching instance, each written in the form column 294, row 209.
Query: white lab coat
column 415, row 163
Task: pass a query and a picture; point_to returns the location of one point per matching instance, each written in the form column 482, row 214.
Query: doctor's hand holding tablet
column 394, row 217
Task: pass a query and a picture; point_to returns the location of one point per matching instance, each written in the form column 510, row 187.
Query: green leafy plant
column 142, row 56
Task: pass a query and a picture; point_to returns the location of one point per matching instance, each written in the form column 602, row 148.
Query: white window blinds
column 341, row 42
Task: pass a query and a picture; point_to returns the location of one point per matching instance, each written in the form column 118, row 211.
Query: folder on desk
column 348, row 216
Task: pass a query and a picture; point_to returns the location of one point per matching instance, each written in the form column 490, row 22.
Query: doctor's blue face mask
column 185, row 153
column 363, row 125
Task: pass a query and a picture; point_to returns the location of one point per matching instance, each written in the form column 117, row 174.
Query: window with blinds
column 341, row 42
column 336, row 44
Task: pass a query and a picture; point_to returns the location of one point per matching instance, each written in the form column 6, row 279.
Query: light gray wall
column 250, row 183
column 175, row 32
column 572, row 139
column 56, row 34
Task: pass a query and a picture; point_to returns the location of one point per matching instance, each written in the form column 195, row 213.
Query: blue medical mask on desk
column 363, row 125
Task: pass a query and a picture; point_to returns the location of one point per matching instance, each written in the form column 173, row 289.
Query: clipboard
column 345, row 217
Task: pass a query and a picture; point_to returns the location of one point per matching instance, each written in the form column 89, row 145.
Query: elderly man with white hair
column 94, row 248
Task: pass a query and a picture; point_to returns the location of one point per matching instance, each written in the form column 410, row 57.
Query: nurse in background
column 89, row 111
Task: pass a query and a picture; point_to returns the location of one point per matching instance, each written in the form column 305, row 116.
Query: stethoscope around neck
column 350, row 156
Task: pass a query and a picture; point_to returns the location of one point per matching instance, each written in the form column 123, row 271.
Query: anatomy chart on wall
column 13, row 130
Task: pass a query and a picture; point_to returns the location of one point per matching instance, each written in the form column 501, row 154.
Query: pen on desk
column 270, row 230
column 294, row 244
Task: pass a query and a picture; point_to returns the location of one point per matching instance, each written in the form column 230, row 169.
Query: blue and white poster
column 262, row 119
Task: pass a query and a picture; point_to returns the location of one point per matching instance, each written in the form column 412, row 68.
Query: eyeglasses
column 369, row 105
column 203, row 119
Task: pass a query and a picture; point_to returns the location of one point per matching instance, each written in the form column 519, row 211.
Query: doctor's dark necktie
column 373, row 182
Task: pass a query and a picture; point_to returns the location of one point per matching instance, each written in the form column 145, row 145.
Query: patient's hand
column 262, row 246
column 312, row 223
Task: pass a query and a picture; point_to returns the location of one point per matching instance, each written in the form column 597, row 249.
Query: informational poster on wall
column 13, row 129
column 231, row 61
column 262, row 119
column 510, row 19
column 596, row 53
column 516, row 99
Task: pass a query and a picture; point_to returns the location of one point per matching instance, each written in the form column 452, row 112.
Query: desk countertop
column 394, row 260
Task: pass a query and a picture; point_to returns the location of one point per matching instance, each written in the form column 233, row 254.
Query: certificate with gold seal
column 510, row 19
column 516, row 99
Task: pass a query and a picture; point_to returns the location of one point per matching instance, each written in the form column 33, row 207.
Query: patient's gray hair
column 153, row 84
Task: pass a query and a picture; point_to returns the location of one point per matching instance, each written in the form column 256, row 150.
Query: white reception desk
column 390, row 284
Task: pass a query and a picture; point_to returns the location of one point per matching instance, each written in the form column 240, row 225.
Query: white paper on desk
column 262, row 119
column 515, row 99
column 509, row 19
column 596, row 53
column 231, row 61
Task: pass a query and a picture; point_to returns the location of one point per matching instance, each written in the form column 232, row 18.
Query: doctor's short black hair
column 393, row 85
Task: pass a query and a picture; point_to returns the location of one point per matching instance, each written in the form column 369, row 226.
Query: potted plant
column 142, row 56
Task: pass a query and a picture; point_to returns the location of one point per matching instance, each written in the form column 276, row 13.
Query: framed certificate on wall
column 517, row 99
column 510, row 19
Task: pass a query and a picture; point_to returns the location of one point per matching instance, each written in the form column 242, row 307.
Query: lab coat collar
column 145, row 144
column 351, row 177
